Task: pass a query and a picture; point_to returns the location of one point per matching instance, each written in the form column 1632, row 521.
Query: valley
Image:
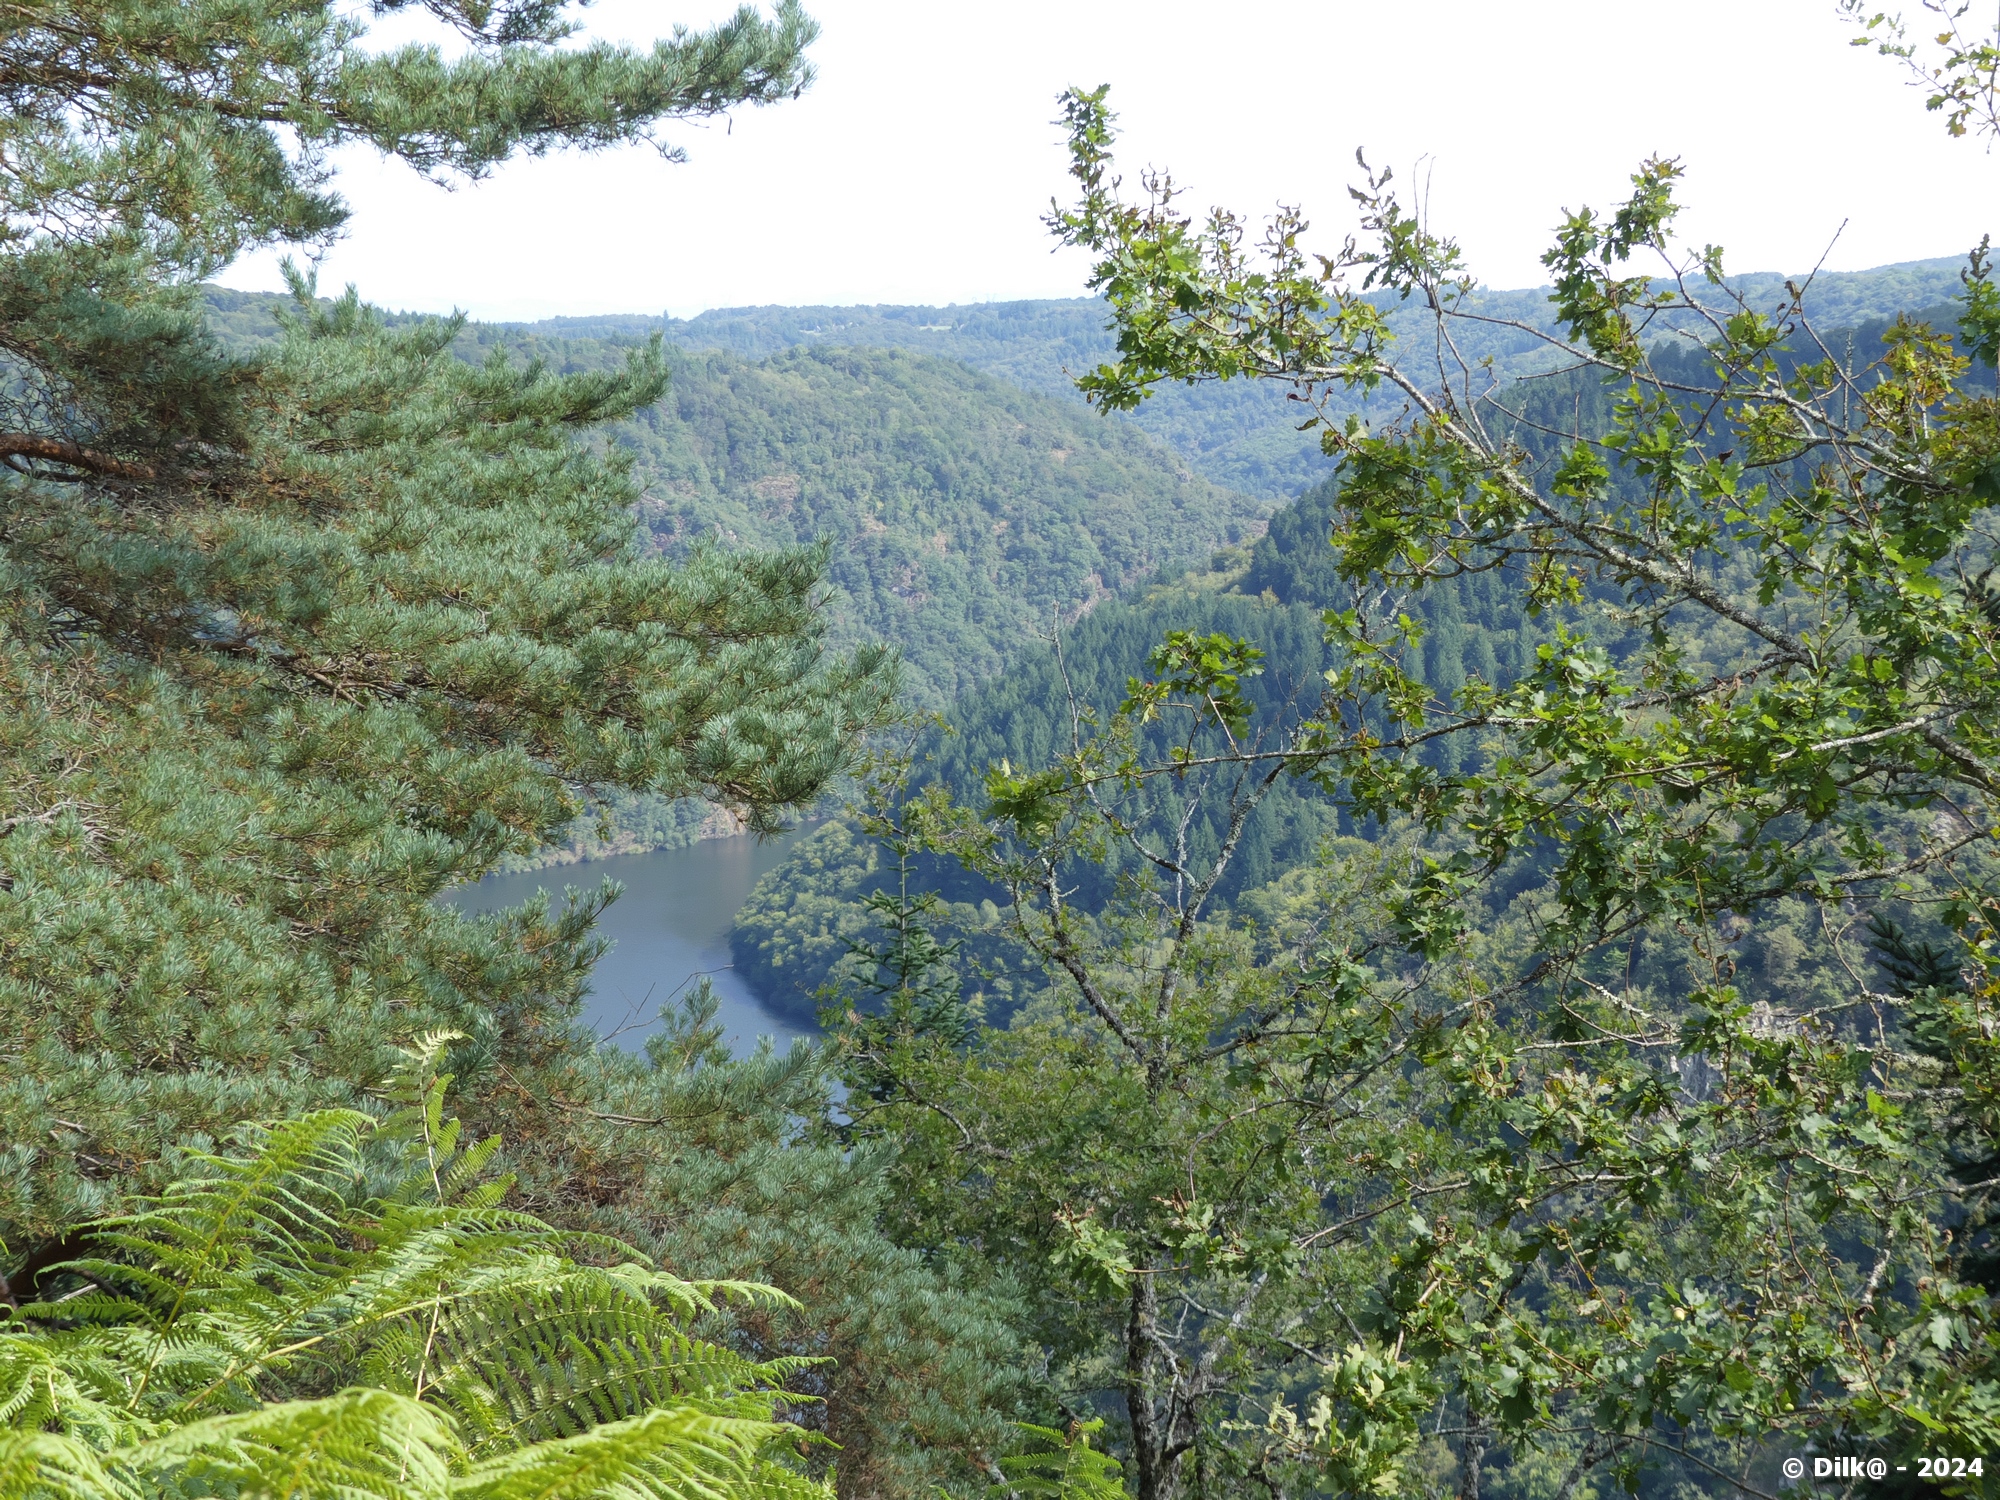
column 1348, row 857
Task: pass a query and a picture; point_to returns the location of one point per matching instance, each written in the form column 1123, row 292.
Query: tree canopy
column 1620, row 1111
column 292, row 639
column 186, row 133
column 1500, row 977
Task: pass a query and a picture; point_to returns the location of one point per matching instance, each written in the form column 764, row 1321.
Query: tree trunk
column 1470, row 1458
column 1148, row 1441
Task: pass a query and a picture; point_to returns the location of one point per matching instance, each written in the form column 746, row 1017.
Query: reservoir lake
column 668, row 931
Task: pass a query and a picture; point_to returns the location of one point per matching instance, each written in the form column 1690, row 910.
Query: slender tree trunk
column 1470, row 1458
column 1148, row 1441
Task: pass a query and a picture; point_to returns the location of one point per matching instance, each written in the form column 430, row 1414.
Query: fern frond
column 708, row 1295
column 50, row 1466
column 461, row 1180
column 288, row 1266
column 70, row 1385
column 85, row 1308
column 452, row 1175
column 679, row 1454
column 275, row 1206
column 359, row 1443
column 526, row 1361
column 411, row 1081
column 1064, row 1466
column 284, row 1189
column 416, row 1255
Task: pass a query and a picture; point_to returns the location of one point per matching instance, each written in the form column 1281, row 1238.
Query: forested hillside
column 1041, row 345
column 801, row 921
column 1486, row 987
column 1240, row 434
column 798, row 922
column 965, row 514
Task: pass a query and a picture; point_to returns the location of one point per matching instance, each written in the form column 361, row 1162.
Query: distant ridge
column 765, row 328
column 1242, row 435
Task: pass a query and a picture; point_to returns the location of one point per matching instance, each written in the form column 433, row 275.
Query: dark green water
column 669, row 930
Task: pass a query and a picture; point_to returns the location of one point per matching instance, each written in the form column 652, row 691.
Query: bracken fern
column 340, row 1306
column 1061, row 1465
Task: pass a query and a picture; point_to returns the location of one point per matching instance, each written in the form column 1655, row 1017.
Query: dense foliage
column 1490, row 989
column 964, row 515
column 1566, row 1131
column 263, row 720
column 801, row 923
column 294, row 638
column 340, row 1305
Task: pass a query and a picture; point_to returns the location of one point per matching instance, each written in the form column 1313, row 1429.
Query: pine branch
column 15, row 445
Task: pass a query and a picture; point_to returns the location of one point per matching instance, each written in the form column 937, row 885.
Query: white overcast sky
column 917, row 168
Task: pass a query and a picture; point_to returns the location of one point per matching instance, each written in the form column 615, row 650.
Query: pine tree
column 697, row 1159
column 906, row 987
column 291, row 643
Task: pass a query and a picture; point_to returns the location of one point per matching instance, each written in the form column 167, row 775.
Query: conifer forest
column 1391, row 885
